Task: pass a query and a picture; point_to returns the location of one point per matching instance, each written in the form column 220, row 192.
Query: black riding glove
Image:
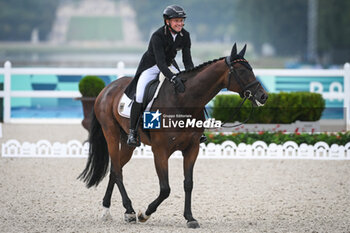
column 178, row 84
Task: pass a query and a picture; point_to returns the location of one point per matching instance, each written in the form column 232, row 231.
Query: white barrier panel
column 336, row 90
column 8, row 71
column 226, row 150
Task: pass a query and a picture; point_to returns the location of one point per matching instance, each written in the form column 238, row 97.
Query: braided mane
column 199, row 67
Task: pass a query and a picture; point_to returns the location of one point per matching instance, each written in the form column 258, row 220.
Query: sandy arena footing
column 43, row 195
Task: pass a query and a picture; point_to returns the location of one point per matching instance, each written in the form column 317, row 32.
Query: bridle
column 245, row 93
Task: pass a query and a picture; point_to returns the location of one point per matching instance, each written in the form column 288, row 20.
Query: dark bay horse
column 107, row 136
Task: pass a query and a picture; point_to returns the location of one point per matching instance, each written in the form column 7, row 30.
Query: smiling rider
column 160, row 55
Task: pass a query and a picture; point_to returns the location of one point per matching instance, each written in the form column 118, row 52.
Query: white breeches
column 146, row 77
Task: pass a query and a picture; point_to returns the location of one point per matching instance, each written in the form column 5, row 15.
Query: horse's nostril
column 263, row 97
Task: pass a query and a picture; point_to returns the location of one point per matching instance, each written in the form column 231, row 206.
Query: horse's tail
column 97, row 164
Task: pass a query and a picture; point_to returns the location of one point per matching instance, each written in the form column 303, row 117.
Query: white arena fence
column 226, row 150
column 336, row 90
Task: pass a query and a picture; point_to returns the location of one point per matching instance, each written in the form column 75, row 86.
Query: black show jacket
column 162, row 50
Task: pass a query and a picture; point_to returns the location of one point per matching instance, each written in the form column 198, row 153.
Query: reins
column 235, row 113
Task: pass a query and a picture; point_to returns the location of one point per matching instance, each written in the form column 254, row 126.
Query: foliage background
column 283, row 24
column 18, row 18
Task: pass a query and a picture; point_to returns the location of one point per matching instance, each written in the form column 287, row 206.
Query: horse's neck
column 204, row 86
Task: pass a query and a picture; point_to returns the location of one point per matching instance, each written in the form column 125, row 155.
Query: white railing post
column 121, row 69
column 7, row 91
column 347, row 94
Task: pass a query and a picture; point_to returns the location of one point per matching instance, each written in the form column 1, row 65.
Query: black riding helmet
column 173, row 11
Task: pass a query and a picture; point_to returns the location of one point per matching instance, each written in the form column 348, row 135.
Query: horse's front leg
column 161, row 164
column 190, row 156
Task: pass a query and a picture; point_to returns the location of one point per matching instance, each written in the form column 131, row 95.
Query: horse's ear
column 234, row 51
column 243, row 51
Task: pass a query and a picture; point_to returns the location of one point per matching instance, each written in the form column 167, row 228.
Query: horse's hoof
column 142, row 216
column 106, row 215
column 130, row 218
column 193, row 224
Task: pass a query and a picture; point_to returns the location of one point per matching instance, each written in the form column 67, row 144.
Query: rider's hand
column 178, row 84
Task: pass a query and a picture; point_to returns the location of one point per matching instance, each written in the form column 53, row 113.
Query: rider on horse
column 161, row 53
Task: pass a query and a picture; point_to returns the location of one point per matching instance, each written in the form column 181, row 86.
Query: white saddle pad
column 125, row 103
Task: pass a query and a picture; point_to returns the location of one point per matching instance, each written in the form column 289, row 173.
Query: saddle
column 151, row 93
column 150, row 90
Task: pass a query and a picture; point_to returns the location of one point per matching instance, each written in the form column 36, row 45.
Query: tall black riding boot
column 134, row 118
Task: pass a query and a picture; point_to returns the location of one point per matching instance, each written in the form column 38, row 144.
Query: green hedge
column 91, row 86
column 280, row 138
column 282, row 108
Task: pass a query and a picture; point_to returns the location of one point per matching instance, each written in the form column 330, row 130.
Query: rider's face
column 176, row 23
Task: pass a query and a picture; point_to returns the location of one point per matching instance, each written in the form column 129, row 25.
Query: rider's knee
column 139, row 97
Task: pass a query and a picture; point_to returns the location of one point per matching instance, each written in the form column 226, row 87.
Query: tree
column 282, row 24
column 18, row 18
column 207, row 20
column 334, row 31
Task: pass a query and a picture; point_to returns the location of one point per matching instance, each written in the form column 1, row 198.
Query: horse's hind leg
column 106, row 215
column 120, row 154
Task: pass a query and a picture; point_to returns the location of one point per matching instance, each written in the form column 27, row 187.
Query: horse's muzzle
column 260, row 98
